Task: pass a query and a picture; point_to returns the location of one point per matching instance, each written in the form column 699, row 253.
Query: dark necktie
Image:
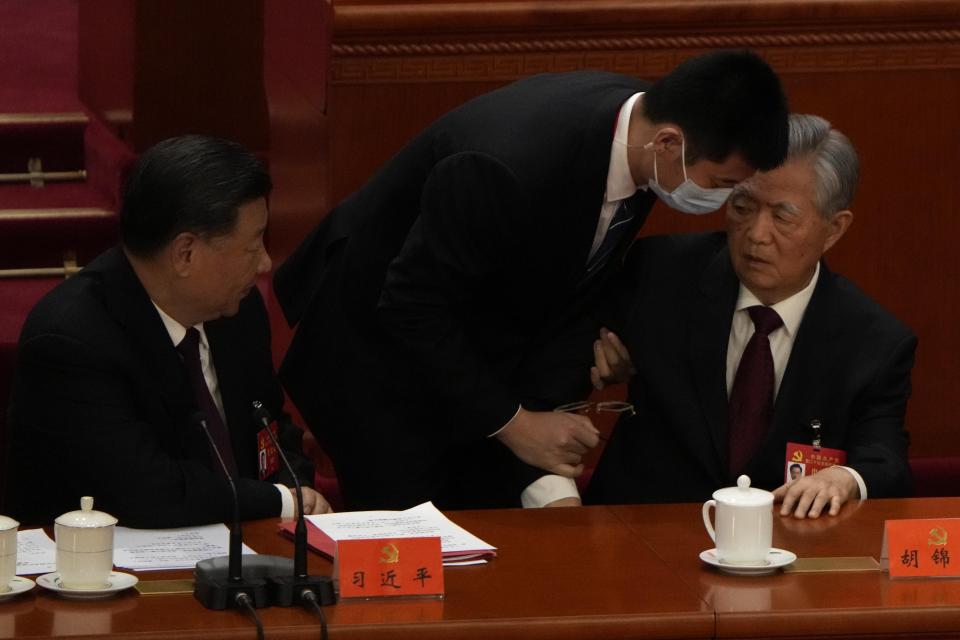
column 752, row 394
column 189, row 348
column 619, row 225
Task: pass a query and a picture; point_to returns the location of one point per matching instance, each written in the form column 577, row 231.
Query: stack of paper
column 155, row 549
column 136, row 549
column 36, row 552
column 458, row 546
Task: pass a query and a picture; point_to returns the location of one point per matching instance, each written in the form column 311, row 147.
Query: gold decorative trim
column 43, row 118
column 646, row 43
column 651, row 64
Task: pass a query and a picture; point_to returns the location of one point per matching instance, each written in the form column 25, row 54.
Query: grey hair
column 835, row 161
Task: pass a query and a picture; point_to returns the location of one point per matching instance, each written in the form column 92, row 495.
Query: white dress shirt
column 177, row 333
column 620, row 186
column 791, row 311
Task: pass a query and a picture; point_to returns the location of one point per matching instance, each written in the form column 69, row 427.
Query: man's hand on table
column 551, row 440
column 806, row 497
column 313, row 502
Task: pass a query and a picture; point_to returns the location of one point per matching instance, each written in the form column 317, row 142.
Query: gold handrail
column 62, row 212
column 43, row 176
column 77, row 117
column 69, row 268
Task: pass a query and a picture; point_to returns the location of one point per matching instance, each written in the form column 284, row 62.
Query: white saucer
column 117, row 580
column 776, row 559
column 17, row 586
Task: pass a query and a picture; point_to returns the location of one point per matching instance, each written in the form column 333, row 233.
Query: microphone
column 228, row 582
column 297, row 586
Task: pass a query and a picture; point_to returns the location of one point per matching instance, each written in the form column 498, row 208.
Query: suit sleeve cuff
column 546, row 489
column 286, row 502
column 860, row 482
column 515, row 414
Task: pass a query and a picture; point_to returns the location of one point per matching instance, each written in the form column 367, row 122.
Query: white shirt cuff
column 859, row 479
column 508, row 422
column 286, row 502
column 546, row 489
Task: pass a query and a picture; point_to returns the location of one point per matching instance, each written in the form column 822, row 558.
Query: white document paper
column 424, row 520
column 36, row 552
column 154, row 549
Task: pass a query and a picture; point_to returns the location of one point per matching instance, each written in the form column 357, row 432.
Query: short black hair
column 188, row 183
column 796, row 466
column 726, row 102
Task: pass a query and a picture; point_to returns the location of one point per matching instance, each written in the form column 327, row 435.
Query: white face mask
column 689, row 197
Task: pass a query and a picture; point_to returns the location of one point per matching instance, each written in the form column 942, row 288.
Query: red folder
column 327, row 546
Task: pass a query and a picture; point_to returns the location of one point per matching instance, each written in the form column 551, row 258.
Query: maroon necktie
column 752, row 394
column 189, row 348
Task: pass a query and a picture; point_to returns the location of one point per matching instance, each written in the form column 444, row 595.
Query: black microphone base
column 213, row 588
column 288, row 590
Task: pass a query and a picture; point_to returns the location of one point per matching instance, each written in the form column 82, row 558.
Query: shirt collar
column 176, row 330
column 620, row 182
column 790, row 310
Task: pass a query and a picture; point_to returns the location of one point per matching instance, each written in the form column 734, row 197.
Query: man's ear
column 667, row 139
column 837, row 226
column 183, row 253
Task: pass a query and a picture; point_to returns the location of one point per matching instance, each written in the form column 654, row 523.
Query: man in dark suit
column 423, row 297
column 117, row 364
column 833, row 363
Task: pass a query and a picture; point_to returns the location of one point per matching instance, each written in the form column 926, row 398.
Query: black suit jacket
column 102, row 406
column 849, row 368
column 423, row 298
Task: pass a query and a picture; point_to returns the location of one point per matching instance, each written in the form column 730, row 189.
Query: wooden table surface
column 559, row 573
column 804, row 605
column 594, row 572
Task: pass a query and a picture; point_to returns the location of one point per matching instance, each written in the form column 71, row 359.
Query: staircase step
column 52, row 196
column 55, row 138
column 48, row 238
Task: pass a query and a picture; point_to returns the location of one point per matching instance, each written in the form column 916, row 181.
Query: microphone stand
column 297, row 587
column 228, row 582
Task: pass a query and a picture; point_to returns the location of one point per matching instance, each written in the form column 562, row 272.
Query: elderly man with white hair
column 739, row 343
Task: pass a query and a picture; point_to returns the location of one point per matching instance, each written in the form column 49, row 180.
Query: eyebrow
column 743, row 190
column 789, row 207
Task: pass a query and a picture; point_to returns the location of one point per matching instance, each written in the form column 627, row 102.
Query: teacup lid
column 743, row 494
column 8, row 523
column 86, row 516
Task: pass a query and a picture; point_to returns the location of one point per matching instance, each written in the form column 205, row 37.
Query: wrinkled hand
column 551, row 440
column 313, row 502
column 565, row 502
column 611, row 361
column 807, row 496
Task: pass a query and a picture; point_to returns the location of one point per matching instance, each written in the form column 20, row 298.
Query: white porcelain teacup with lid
column 744, row 523
column 8, row 552
column 84, row 547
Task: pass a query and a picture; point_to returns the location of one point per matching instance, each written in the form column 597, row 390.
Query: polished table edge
column 710, row 622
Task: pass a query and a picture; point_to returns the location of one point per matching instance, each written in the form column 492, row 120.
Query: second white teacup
column 8, row 551
column 84, row 547
column 744, row 523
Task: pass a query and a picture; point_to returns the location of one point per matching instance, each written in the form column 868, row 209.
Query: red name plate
column 390, row 567
column 922, row 548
